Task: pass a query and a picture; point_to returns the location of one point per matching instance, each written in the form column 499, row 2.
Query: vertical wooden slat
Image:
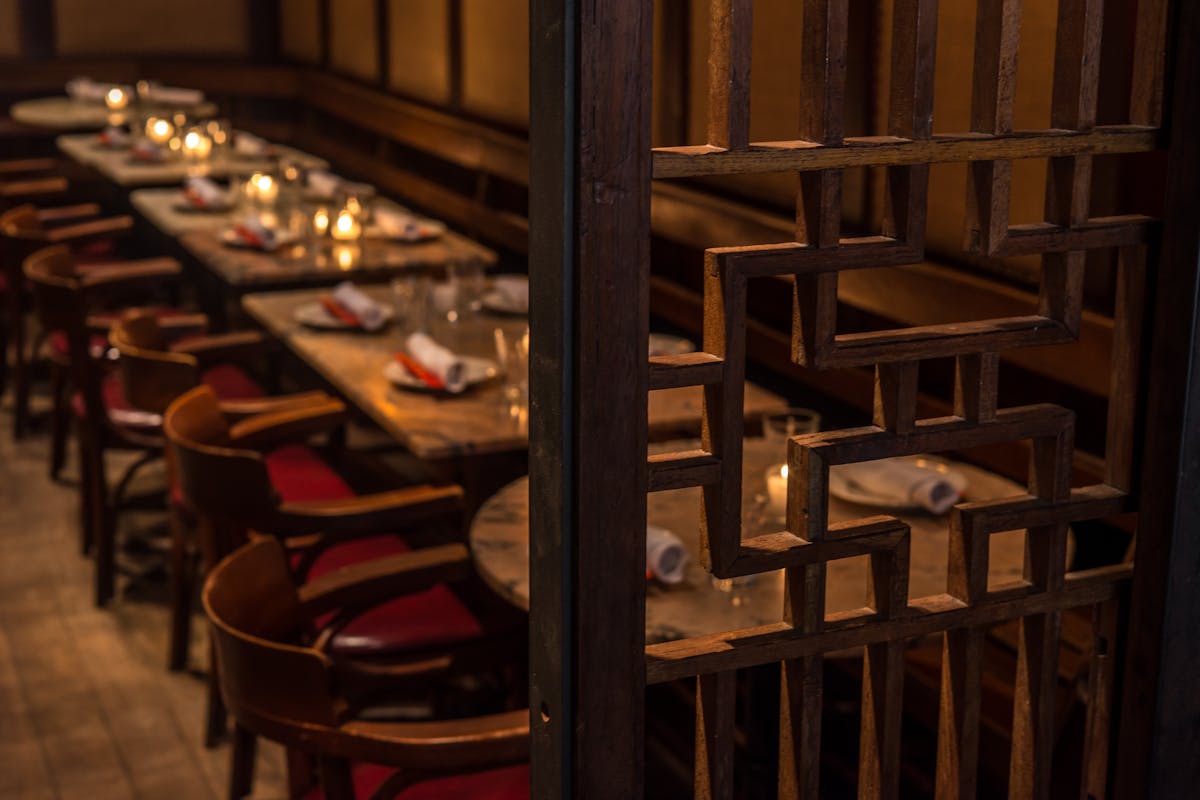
column 1098, row 725
column 716, row 697
column 722, row 430
column 454, row 52
column 976, row 379
column 910, row 114
column 589, row 265
column 879, row 740
column 958, row 714
column 673, row 84
column 1149, row 63
column 801, row 688
column 729, row 73
column 822, row 110
column 36, row 19
column 383, row 32
column 1124, row 410
column 1033, row 707
column 262, row 18
column 896, row 396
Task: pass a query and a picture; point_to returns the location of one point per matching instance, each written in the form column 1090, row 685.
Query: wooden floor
column 87, row 708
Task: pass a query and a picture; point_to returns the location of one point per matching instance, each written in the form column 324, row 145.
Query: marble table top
column 369, row 260
column 63, row 113
column 481, row 420
column 698, row 606
column 118, row 167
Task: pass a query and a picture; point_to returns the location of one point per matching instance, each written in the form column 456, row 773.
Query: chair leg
column 183, row 567
column 20, row 377
column 241, row 762
column 105, row 529
column 5, row 324
column 60, row 420
column 216, row 722
column 337, row 780
column 87, row 494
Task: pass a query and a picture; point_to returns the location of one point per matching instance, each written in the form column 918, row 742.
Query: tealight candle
column 116, row 99
column 344, row 256
column 777, row 481
column 262, row 188
column 346, row 227
column 320, row 222
column 197, row 145
column 159, row 130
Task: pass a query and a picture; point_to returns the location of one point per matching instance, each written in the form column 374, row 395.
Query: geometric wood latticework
column 814, row 260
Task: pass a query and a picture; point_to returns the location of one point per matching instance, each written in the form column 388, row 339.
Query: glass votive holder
column 791, row 422
column 469, row 285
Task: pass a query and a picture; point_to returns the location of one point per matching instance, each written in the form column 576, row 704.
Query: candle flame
column 783, row 470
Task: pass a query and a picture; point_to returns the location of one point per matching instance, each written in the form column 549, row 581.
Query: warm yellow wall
column 418, row 48
column 119, row 27
column 10, row 34
column 353, row 38
column 496, row 59
column 300, row 29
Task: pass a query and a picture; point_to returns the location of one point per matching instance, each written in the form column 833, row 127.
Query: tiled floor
column 87, row 707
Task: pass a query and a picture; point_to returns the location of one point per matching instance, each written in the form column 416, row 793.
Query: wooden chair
column 63, row 299
column 29, row 179
column 23, row 230
column 282, row 681
column 252, row 475
column 154, row 371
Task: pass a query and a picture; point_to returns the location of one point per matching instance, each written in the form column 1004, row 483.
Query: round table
column 66, row 114
column 698, row 606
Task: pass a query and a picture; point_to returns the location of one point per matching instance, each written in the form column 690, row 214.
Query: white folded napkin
column 247, row 144
column 514, row 289
column 146, row 150
column 396, row 222
column 666, row 557
column 203, row 192
column 905, row 482
column 83, row 88
column 264, row 238
column 114, row 136
column 324, row 184
column 175, row 96
column 440, row 361
column 370, row 313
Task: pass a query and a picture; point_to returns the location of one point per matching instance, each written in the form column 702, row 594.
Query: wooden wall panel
column 137, row 27
column 300, row 26
column 353, row 38
column 10, row 37
column 418, row 49
column 496, row 59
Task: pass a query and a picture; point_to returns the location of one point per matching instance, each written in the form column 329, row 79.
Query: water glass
column 790, row 422
column 512, row 354
column 411, row 294
column 469, row 283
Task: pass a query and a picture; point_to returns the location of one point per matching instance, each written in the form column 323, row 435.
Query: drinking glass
column 512, row 353
column 469, row 283
column 411, row 296
column 791, row 422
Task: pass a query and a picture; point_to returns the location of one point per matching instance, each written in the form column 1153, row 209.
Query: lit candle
column 159, row 130
column 320, row 222
column 344, row 256
column 777, row 480
column 262, row 188
column 116, row 99
column 197, row 146
column 346, row 227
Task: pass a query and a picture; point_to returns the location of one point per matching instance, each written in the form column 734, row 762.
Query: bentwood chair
column 282, row 680
column 24, row 230
column 257, row 474
column 28, row 180
column 64, row 298
column 154, row 371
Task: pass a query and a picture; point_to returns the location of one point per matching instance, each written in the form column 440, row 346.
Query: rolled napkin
column 114, row 136
column 904, row 482
column 203, row 193
column 254, row 233
column 666, row 557
column 440, row 361
column 371, row 315
column 247, row 144
column 175, row 96
column 514, row 289
column 323, row 184
column 396, row 222
column 86, row 89
column 146, row 150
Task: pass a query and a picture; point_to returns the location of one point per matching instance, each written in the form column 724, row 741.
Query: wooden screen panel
column 155, row 27
column 1060, row 240
column 354, row 39
column 300, row 27
column 419, row 49
column 10, row 30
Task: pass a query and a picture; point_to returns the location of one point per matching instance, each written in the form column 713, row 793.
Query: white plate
column 662, row 344
column 230, row 237
column 424, row 231
column 842, row 485
column 477, row 369
column 501, row 303
column 314, row 315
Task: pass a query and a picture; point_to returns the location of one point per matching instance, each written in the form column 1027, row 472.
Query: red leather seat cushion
column 300, row 475
column 506, row 783
column 119, row 411
column 98, row 343
column 230, row 382
column 101, row 252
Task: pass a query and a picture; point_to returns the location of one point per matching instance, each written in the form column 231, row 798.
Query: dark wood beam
column 263, row 28
column 37, row 28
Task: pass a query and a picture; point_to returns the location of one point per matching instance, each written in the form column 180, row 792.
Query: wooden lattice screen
column 819, row 253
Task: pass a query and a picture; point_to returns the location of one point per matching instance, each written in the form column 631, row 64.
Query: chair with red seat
column 237, row 477
column 63, row 298
column 24, row 230
column 154, row 371
column 282, row 680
